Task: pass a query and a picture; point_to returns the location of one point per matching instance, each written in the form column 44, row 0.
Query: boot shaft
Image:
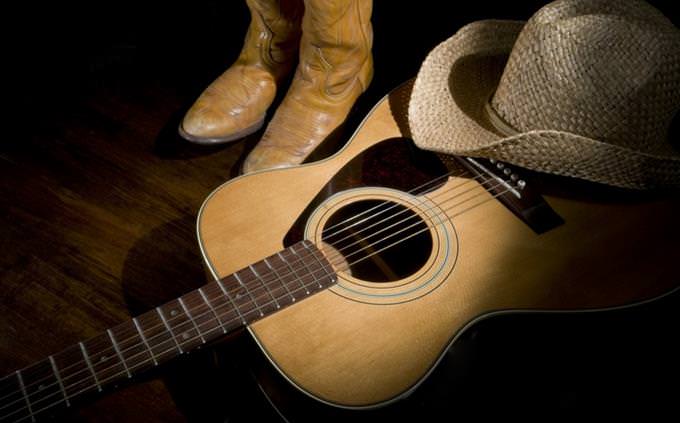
column 335, row 49
column 273, row 34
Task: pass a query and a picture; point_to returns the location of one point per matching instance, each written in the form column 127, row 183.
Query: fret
column 117, row 349
column 287, row 275
column 212, row 309
column 61, row 383
column 180, row 326
column 39, row 387
column 324, row 265
column 75, row 376
column 186, row 311
column 224, row 306
column 262, row 282
column 309, row 273
column 293, row 272
column 137, row 355
column 248, row 293
column 146, row 343
column 165, row 322
column 15, row 409
column 273, row 282
column 278, row 276
column 104, row 359
column 205, row 320
column 268, row 302
column 175, row 327
column 226, row 294
column 89, row 366
column 327, row 265
column 160, row 339
column 239, row 295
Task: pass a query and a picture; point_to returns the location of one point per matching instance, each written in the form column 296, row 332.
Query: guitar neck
column 162, row 334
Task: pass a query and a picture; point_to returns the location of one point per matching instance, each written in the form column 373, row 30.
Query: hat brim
column 448, row 113
column 454, row 84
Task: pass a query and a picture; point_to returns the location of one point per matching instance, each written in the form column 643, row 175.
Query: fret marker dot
column 173, row 313
column 41, row 387
column 185, row 336
column 103, row 358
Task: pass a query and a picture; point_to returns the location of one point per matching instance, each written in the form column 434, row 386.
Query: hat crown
column 607, row 70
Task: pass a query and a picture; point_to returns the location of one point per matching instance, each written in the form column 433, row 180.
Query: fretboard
column 159, row 335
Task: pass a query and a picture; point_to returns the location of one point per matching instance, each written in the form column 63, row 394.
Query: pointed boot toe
column 236, row 103
column 232, row 107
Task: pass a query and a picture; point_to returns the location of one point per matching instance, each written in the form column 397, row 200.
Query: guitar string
column 198, row 331
column 196, row 317
column 420, row 202
column 463, row 171
column 431, row 219
column 412, row 192
column 424, row 229
column 441, row 211
column 262, row 287
column 258, row 287
column 404, row 210
column 305, row 287
column 254, row 302
column 295, row 271
column 116, row 375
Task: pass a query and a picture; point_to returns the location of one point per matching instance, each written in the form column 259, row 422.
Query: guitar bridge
column 511, row 187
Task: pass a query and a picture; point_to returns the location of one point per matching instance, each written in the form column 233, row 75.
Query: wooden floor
column 99, row 199
column 98, row 195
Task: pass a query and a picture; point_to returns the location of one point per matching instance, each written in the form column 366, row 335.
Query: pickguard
column 386, row 173
column 395, row 163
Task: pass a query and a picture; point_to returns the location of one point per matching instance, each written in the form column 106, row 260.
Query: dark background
column 99, row 198
column 58, row 52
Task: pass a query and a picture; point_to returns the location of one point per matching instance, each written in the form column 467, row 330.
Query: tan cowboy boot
column 235, row 104
column 335, row 67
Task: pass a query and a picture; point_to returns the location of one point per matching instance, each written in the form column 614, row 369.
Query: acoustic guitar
column 355, row 274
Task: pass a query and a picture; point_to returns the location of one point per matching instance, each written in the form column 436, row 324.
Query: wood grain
column 97, row 224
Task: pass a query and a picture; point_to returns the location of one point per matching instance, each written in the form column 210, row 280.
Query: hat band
column 498, row 123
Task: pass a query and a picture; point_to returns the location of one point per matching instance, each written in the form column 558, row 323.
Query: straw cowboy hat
column 585, row 88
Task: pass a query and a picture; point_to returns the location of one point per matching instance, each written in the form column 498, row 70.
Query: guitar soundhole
column 380, row 241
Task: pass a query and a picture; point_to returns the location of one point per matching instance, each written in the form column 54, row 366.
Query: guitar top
column 373, row 336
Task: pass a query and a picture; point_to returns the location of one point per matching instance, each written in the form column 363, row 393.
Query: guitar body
column 364, row 342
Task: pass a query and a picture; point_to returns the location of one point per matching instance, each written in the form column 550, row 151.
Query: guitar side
column 360, row 344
